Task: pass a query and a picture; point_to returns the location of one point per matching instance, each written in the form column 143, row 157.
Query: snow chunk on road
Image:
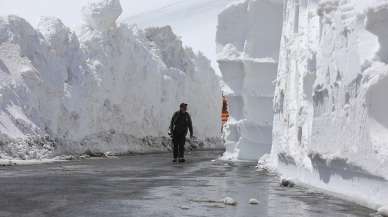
column 229, row 201
column 253, row 201
column 184, row 207
column 226, row 201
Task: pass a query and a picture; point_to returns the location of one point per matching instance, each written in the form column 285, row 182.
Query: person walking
column 180, row 125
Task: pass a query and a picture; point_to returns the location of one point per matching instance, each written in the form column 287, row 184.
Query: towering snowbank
column 330, row 124
column 248, row 41
column 111, row 88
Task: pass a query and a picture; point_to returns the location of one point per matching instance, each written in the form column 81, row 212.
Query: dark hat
column 183, row 105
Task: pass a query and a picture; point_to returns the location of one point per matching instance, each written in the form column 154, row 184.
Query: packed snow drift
column 109, row 88
column 248, row 42
column 330, row 127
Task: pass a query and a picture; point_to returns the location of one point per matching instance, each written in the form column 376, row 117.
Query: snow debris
column 264, row 164
column 226, row 201
column 253, row 201
column 109, row 154
column 184, row 207
column 84, row 156
column 229, row 201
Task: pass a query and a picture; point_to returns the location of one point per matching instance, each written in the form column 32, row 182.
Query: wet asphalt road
column 150, row 185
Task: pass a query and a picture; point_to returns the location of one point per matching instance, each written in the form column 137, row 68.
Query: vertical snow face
column 248, row 41
column 111, row 87
column 330, row 124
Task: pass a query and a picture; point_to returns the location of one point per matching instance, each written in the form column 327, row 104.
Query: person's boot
column 182, row 160
column 174, row 161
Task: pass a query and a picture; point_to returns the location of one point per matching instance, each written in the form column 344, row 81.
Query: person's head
column 183, row 107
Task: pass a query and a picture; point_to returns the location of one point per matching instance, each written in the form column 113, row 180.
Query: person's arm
column 172, row 122
column 190, row 126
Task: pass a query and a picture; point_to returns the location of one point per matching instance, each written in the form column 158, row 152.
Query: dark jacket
column 180, row 124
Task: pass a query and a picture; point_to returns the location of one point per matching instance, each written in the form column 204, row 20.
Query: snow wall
column 109, row 88
column 330, row 124
column 248, row 42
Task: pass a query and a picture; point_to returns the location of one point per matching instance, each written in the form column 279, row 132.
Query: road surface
column 150, row 185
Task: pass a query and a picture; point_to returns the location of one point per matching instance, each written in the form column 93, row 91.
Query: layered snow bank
column 109, row 88
column 330, row 125
column 248, row 41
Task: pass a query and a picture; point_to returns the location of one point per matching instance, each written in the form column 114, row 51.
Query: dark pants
column 179, row 146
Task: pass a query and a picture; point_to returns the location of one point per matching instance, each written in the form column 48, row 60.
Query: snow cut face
column 102, row 15
column 248, row 42
column 330, row 122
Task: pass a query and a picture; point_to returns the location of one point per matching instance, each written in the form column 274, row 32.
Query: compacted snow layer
column 330, row 124
column 248, row 41
column 109, row 88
